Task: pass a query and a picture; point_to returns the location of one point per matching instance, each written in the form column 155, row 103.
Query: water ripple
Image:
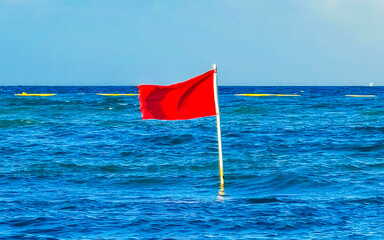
column 83, row 166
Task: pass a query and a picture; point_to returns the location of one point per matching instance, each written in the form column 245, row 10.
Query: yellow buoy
column 35, row 94
column 267, row 95
column 367, row 96
column 117, row 94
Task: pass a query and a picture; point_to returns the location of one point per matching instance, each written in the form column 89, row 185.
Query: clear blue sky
column 131, row 42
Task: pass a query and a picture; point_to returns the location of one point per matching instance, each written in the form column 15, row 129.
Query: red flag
column 193, row 98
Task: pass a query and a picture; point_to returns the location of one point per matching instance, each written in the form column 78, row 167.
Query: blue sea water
column 82, row 166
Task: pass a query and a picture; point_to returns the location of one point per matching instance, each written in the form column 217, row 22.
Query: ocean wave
column 369, row 129
column 359, row 200
column 169, row 139
column 310, row 167
column 14, row 123
column 374, row 113
column 263, row 200
column 250, row 110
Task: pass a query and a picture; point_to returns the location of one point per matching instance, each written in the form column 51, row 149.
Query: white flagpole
column 215, row 90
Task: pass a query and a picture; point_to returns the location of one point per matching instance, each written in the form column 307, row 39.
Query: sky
column 132, row 42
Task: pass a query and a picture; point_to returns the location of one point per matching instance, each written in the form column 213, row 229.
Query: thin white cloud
column 331, row 4
column 360, row 18
column 20, row 1
column 340, row 6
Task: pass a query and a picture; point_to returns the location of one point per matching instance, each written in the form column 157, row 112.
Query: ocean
column 82, row 166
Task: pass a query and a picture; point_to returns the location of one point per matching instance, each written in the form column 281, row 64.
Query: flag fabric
column 193, row 98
